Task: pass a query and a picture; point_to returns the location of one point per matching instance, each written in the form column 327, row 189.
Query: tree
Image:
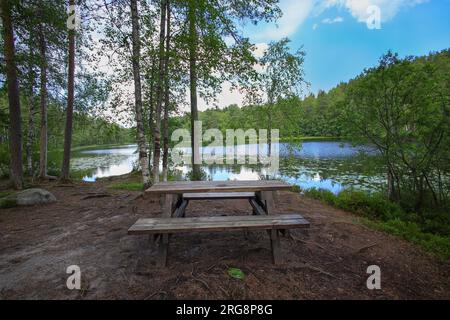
column 43, row 101
column 159, row 93
column 196, row 174
column 65, row 170
column 402, row 107
column 282, row 76
column 165, row 161
column 13, row 97
column 143, row 158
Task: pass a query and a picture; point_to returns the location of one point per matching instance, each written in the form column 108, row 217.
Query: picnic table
column 177, row 194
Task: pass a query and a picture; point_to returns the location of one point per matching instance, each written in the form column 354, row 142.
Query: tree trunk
column 159, row 95
column 65, row 170
column 165, row 162
column 15, row 130
column 143, row 159
column 196, row 174
column 31, row 102
column 43, row 106
column 269, row 130
column 151, row 112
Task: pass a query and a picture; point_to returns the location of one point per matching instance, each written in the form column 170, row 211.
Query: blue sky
column 338, row 43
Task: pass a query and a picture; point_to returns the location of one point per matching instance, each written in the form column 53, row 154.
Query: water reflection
column 330, row 165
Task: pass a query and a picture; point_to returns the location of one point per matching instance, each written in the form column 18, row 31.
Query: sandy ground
column 38, row 243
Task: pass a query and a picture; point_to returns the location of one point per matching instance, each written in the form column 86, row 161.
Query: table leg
column 266, row 198
column 275, row 246
column 168, row 207
column 163, row 250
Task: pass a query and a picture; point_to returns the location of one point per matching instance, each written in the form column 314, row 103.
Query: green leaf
column 236, row 273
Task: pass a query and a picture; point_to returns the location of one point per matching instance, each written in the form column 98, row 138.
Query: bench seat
column 218, row 195
column 220, row 223
column 167, row 226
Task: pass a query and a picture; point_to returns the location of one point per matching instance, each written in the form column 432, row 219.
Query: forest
column 102, row 74
column 172, row 53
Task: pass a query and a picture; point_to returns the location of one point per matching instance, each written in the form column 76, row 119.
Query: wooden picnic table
column 177, row 194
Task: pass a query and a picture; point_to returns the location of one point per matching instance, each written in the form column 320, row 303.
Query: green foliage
column 7, row 203
column 370, row 205
column 432, row 233
column 402, row 107
column 130, row 186
column 236, row 273
column 434, row 243
column 87, row 130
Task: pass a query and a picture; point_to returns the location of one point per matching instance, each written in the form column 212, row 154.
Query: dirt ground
column 38, row 243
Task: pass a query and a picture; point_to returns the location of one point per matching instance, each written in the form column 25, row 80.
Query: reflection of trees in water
column 358, row 171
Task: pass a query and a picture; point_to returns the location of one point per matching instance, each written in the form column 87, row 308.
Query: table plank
column 217, row 186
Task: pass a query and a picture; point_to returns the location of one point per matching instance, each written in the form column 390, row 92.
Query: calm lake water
column 331, row 165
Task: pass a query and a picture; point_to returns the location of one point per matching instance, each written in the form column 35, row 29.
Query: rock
column 31, row 197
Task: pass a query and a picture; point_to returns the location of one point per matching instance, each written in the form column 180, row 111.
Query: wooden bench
column 218, row 195
column 168, row 226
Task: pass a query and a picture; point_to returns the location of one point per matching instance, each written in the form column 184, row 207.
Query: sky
column 340, row 43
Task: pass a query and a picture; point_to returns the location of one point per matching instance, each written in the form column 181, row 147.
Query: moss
column 8, row 202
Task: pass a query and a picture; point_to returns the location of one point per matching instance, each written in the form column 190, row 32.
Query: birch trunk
column 143, row 158
column 165, row 162
column 159, row 96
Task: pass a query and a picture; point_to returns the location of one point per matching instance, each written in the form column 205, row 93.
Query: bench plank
column 218, row 195
column 225, row 223
column 217, row 186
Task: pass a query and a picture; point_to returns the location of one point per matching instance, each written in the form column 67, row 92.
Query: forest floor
column 88, row 227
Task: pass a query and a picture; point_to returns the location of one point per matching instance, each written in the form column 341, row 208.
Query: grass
column 430, row 231
column 6, row 202
column 5, row 193
column 130, row 186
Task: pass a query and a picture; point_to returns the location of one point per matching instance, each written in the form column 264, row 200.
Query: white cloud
column 331, row 21
column 359, row 8
column 295, row 13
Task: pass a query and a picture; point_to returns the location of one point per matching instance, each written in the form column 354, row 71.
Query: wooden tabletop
column 217, row 186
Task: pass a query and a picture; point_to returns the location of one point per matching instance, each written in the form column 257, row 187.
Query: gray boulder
column 31, row 197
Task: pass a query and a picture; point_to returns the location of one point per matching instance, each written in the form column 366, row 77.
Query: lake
column 330, row 165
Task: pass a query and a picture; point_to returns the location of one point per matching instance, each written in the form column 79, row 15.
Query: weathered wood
column 222, row 223
column 217, row 186
column 266, row 198
column 180, row 211
column 168, row 205
column 163, row 249
column 218, row 195
column 275, row 246
column 257, row 208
